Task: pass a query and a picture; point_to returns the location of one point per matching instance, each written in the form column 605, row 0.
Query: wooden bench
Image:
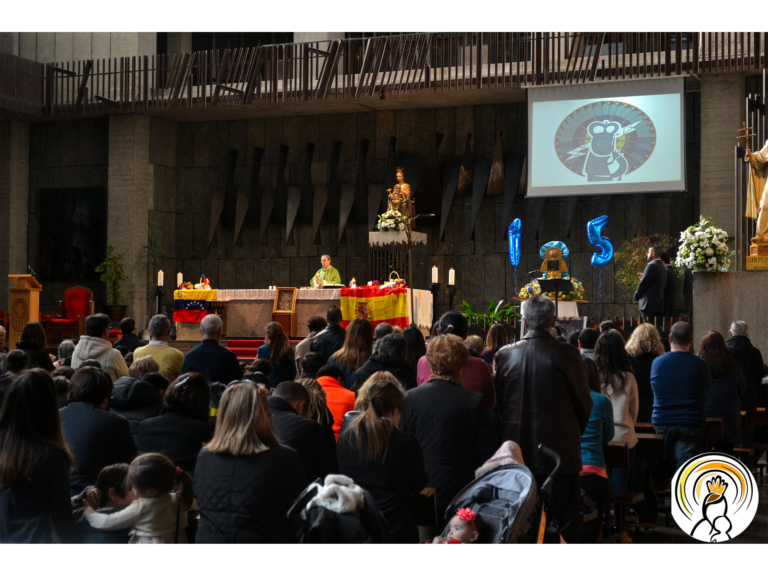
column 617, row 456
column 742, row 453
column 651, row 445
column 761, row 417
column 644, row 428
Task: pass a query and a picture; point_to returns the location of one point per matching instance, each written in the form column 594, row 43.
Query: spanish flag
column 192, row 305
column 375, row 305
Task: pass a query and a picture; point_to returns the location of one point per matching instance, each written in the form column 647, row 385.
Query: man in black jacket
column 331, row 339
column 750, row 360
column 650, row 292
column 209, row 358
column 129, row 338
column 293, row 424
column 670, row 287
column 543, row 397
column 389, row 357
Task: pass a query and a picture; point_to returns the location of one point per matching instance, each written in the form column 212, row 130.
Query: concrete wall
column 68, row 46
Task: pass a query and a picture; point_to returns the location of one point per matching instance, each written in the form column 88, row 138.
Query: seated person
column 168, row 358
column 128, row 337
column 111, row 494
column 338, row 398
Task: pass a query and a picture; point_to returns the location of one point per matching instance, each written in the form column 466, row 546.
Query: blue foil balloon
column 595, row 234
column 515, row 231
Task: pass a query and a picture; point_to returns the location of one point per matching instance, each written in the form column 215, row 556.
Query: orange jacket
column 339, row 400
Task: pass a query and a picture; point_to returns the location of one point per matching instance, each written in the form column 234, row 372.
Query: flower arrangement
column 534, row 289
column 703, row 248
column 391, row 221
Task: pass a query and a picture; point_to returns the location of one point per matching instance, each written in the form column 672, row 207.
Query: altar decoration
column 192, row 304
column 375, row 305
column 703, row 248
column 391, row 221
column 554, row 266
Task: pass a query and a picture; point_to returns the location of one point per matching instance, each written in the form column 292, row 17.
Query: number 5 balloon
column 595, row 234
column 515, row 230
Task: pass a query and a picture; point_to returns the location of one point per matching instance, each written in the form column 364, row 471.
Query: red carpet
column 246, row 349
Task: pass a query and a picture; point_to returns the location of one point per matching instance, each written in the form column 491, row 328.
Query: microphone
column 29, row 269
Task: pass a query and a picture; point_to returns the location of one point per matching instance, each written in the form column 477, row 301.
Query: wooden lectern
column 25, row 305
column 284, row 311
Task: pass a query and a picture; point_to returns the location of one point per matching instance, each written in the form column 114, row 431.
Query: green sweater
column 330, row 275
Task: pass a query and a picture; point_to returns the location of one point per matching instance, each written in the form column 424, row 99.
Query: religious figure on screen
column 326, row 275
column 757, row 197
column 400, row 198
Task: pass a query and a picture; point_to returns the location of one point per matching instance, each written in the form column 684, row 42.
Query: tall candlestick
column 434, row 275
column 179, row 279
column 451, row 277
column 160, row 278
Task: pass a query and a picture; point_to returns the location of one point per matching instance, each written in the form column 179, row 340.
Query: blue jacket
column 213, row 361
column 680, row 382
column 285, row 371
column 599, row 431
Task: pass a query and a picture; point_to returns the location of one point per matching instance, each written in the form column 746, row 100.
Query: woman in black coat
column 34, row 465
column 383, row 460
column 390, row 357
column 643, row 347
column 183, row 425
column 245, row 480
column 136, row 400
column 32, row 341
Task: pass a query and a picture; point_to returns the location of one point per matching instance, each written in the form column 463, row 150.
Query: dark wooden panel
column 306, row 207
column 253, row 207
column 360, row 205
column 429, row 194
column 465, row 175
column 230, row 192
column 482, row 172
column 451, row 172
column 496, row 178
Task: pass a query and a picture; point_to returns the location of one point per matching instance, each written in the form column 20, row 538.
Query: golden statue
column 400, row 198
column 757, row 198
column 553, row 264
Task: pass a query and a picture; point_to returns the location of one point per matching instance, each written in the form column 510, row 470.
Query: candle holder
column 435, row 289
column 159, row 293
column 451, row 289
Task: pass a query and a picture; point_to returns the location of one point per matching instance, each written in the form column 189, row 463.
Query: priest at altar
column 326, row 275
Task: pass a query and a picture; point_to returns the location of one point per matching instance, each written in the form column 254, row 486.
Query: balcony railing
column 366, row 68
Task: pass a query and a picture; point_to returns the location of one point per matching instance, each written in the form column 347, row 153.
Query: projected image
column 605, row 140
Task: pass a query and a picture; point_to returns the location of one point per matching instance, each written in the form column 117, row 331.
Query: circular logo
column 605, row 140
column 714, row 497
column 19, row 314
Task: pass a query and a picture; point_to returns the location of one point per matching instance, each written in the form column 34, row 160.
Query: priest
column 326, row 275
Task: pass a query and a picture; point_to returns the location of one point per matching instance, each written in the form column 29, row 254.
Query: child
column 462, row 529
column 156, row 516
column 110, row 495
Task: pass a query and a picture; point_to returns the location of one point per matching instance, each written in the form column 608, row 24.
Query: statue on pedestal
column 757, row 196
column 400, row 198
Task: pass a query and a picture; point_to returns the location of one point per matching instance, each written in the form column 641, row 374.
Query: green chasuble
column 329, row 275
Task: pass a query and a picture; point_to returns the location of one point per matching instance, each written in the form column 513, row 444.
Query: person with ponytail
column 277, row 349
column 475, row 374
column 383, row 460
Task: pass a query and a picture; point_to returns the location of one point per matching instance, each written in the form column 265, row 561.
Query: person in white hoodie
column 96, row 346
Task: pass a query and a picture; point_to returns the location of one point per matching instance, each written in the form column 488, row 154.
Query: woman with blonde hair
column 277, row 349
column 322, row 414
column 383, row 460
column 357, row 348
column 245, row 481
column 350, row 417
column 644, row 347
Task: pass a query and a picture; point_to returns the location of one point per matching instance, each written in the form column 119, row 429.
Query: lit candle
column 179, row 279
column 434, row 275
column 451, row 277
column 160, row 278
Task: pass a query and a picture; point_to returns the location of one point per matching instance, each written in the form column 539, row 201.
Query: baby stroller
column 510, row 505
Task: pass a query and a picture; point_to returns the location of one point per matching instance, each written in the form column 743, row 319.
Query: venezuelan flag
column 192, row 305
column 375, row 305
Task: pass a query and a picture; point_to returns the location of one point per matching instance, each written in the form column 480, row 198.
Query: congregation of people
column 135, row 441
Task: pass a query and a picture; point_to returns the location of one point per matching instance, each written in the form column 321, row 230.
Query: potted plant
column 112, row 274
column 497, row 313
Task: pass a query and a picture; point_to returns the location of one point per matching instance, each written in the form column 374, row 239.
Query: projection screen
column 608, row 138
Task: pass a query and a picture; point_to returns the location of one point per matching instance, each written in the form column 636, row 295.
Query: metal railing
column 367, row 67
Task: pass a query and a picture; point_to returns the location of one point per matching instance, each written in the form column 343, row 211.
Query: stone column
column 130, row 199
column 14, row 199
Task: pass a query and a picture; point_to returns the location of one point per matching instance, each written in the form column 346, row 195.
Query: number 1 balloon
column 515, row 231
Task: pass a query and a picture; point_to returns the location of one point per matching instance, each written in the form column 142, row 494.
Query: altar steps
column 246, row 349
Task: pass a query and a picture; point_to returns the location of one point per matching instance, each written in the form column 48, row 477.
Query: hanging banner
column 375, row 305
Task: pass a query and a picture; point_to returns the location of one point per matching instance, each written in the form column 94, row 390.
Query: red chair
column 76, row 306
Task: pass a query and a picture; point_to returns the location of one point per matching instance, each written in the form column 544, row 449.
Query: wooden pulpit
column 24, row 305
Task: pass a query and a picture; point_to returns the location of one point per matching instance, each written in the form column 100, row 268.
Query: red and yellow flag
column 375, row 305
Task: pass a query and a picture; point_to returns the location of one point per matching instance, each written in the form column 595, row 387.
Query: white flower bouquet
column 703, row 248
column 391, row 221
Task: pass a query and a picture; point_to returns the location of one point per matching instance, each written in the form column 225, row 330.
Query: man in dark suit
column 670, row 288
column 209, row 358
column 650, row 292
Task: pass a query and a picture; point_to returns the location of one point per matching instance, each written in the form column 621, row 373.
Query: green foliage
column 113, row 274
column 631, row 258
column 496, row 314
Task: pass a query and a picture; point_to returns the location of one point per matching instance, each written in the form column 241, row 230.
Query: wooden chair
column 75, row 306
column 617, row 456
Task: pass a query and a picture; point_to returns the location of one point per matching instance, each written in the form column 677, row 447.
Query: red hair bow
column 178, row 471
column 467, row 515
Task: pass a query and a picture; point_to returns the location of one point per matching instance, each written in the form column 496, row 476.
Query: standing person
column 475, row 374
column 293, row 424
column 451, row 423
column 170, row 360
column 750, row 361
column 315, row 325
column 326, row 275
column 211, row 359
column 96, row 436
column 670, row 287
column 128, row 337
column 245, row 481
column 587, row 341
column 32, row 341
column 277, row 349
column 593, row 477
column 650, row 292
column 34, row 465
column 680, row 382
column 415, row 346
column 183, row 425
column 96, row 346
column 543, row 397
column 643, row 347
column 620, row 387
column 331, row 339
column 383, row 460
column 728, row 384
column 356, row 350
column 390, row 357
